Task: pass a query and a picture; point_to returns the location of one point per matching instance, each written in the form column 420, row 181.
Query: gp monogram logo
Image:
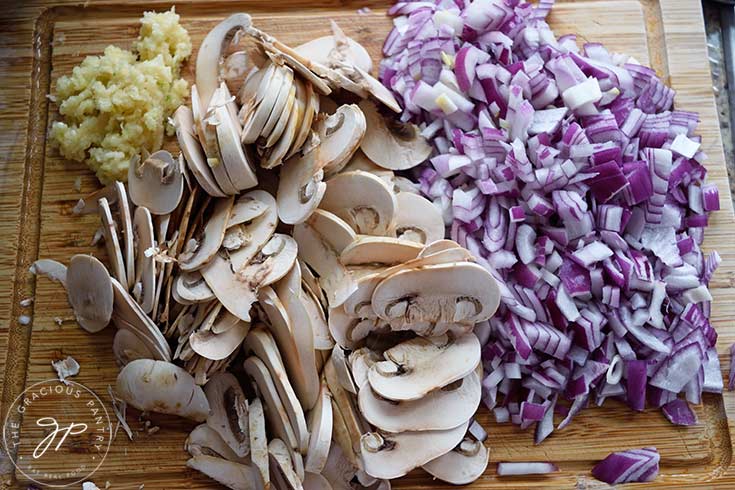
column 64, row 436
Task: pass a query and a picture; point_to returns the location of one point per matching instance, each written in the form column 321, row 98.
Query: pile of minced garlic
column 117, row 104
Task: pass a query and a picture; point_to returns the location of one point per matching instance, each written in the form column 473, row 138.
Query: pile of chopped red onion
column 569, row 174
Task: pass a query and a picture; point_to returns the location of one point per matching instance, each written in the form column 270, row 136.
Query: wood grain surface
column 42, row 40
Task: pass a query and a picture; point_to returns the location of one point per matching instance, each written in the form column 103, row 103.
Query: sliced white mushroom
column 339, row 471
column 337, row 234
column 315, row 481
column 342, row 370
column 317, row 318
column 114, row 252
column 462, row 465
column 282, row 465
column 340, row 135
column 334, row 278
column 126, row 223
column 145, row 267
column 416, row 367
column 441, row 409
column 157, row 183
column 320, row 50
column 159, row 386
column 210, row 54
column 260, row 343
column 258, row 440
column 274, row 410
column 320, row 432
column 417, row 219
column 88, row 204
column 237, row 164
column 379, row 251
column 257, row 118
column 218, row 346
column 275, row 124
column 447, row 293
column 394, row 455
column 203, row 248
column 89, row 290
column 127, row 346
column 193, row 153
column 360, row 361
column 390, row 144
column 293, row 114
column 377, row 89
column 439, row 246
column 191, row 287
column 205, row 440
column 228, row 411
column 311, row 283
column 236, row 476
column 300, row 188
column 311, row 109
column 246, row 209
column 361, row 162
column 55, row 271
column 363, row 200
column 350, row 425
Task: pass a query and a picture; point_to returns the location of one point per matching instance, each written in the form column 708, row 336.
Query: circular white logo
column 66, row 433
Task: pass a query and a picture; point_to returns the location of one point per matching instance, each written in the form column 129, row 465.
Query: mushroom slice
column 282, row 465
column 89, row 290
column 394, row 455
column 417, row 219
column 363, row 200
column 162, row 387
column 462, row 465
column 88, row 204
column 320, row 51
column 193, row 154
column 157, row 183
column 360, row 162
column 191, row 287
column 390, row 144
column 337, row 234
column 320, row 430
column 293, row 344
column 415, row 367
column 145, row 267
column 236, row 162
column 56, row 271
column 340, row 326
column 300, row 188
column 205, row 440
column 281, row 111
column 258, row 440
column 339, row 470
column 353, row 425
column 379, row 250
column 201, row 250
column 261, row 344
column 246, row 209
column 311, row 108
column 320, row 329
column 315, row 481
column 311, row 283
column 439, row 246
column 229, row 411
column 127, row 346
column 377, row 90
column 441, row 409
column 274, row 410
column 236, row 476
column 256, row 120
column 216, row 346
column 210, row 54
column 361, row 360
column 340, row 135
column 336, row 281
column 339, row 361
column 109, row 229
column 274, row 155
column 447, row 293
column 126, row 221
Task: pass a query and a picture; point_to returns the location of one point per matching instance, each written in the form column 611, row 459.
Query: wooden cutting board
column 37, row 194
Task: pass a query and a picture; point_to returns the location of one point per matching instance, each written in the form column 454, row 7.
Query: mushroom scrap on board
column 308, row 313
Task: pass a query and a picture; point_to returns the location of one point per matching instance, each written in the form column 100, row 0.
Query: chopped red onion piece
column 633, row 465
column 679, row 413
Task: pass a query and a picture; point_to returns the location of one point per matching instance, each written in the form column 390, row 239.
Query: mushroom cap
column 193, row 153
column 274, row 410
column 336, row 233
column 216, row 346
column 394, row 455
column 319, row 50
column 205, row 440
column 418, row 219
column 192, row 288
column 396, row 147
column 379, row 250
column 89, row 290
column 320, row 432
column 228, row 411
column 236, row 476
column 462, row 465
column 258, row 440
column 300, row 188
column 363, row 200
column 145, row 267
column 55, row 271
column 418, row 366
column 441, row 409
column 157, row 183
column 211, row 238
column 260, row 343
column 315, row 481
column 127, row 346
column 447, row 293
column 340, row 134
column 162, row 387
column 210, row 54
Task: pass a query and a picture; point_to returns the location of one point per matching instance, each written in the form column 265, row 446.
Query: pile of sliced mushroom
column 319, row 327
